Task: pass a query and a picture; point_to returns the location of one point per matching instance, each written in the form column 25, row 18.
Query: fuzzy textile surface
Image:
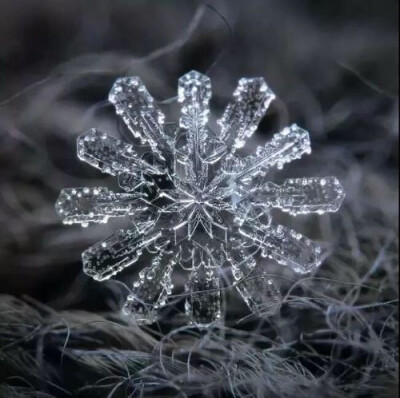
column 333, row 66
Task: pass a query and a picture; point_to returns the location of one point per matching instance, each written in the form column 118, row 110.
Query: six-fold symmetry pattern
column 193, row 201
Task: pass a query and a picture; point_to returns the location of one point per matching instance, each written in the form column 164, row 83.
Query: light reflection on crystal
column 193, row 201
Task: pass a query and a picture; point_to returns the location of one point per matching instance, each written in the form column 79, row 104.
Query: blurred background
column 334, row 67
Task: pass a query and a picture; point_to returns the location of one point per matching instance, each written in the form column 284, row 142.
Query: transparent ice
column 193, row 201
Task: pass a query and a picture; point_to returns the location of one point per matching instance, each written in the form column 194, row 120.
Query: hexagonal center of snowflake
column 194, row 209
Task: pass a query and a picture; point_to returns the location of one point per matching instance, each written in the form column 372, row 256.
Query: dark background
column 333, row 65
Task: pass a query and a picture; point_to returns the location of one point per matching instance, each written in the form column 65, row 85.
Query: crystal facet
column 193, row 201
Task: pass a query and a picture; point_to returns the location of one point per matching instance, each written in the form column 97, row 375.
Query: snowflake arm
column 85, row 205
column 194, row 93
column 151, row 290
column 284, row 245
column 203, row 295
column 301, row 195
column 259, row 291
column 290, row 144
column 241, row 117
column 112, row 156
column 140, row 113
column 120, row 250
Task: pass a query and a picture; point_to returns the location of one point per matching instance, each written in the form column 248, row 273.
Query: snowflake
column 192, row 201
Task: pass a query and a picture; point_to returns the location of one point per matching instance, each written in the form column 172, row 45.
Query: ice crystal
column 194, row 202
